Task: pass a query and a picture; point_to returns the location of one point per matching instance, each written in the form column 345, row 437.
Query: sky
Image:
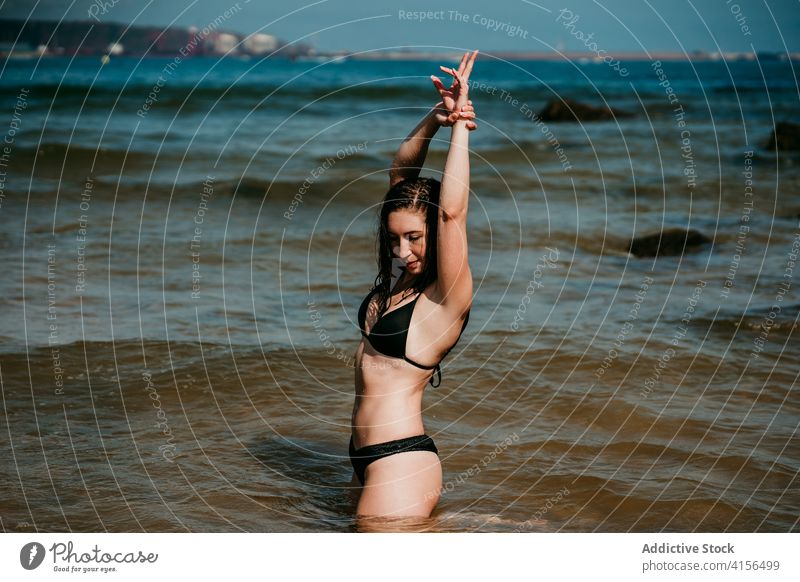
column 495, row 25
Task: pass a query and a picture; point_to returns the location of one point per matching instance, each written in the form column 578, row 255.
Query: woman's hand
column 456, row 97
column 447, row 118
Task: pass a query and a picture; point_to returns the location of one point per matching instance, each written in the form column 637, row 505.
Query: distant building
column 225, row 43
column 260, row 43
column 115, row 48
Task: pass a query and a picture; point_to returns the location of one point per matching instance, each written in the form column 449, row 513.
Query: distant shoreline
column 583, row 58
column 573, row 56
column 25, row 39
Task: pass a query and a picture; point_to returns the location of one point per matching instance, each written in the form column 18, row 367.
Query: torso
column 388, row 399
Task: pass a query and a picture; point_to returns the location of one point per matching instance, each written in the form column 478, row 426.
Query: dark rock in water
column 250, row 188
column 785, row 137
column 569, row 110
column 671, row 242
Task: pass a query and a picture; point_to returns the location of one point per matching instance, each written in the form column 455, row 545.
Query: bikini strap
column 410, row 361
column 436, row 370
column 439, row 372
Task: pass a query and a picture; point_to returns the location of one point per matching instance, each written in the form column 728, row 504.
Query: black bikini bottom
column 365, row 455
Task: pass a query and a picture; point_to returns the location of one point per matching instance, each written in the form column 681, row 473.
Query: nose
column 403, row 250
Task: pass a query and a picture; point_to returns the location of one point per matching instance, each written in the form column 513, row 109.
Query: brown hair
column 418, row 195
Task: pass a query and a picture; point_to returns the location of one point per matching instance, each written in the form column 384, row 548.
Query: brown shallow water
column 240, row 440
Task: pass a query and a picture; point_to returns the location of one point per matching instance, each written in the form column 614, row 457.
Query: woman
column 415, row 313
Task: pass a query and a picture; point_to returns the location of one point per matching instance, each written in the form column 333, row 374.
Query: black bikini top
column 389, row 333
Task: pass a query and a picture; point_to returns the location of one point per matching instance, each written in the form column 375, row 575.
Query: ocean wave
column 66, row 96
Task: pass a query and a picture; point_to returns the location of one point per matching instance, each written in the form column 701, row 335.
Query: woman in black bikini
column 414, row 315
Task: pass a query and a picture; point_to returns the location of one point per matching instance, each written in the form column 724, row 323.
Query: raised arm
column 410, row 156
column 454, row 282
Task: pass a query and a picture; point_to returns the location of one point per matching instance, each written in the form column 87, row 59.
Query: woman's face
column 407, row 238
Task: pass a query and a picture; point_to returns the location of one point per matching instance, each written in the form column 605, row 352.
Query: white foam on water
column 485, row 521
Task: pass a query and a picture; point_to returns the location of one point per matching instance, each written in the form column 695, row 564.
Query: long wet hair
column 418, row 195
